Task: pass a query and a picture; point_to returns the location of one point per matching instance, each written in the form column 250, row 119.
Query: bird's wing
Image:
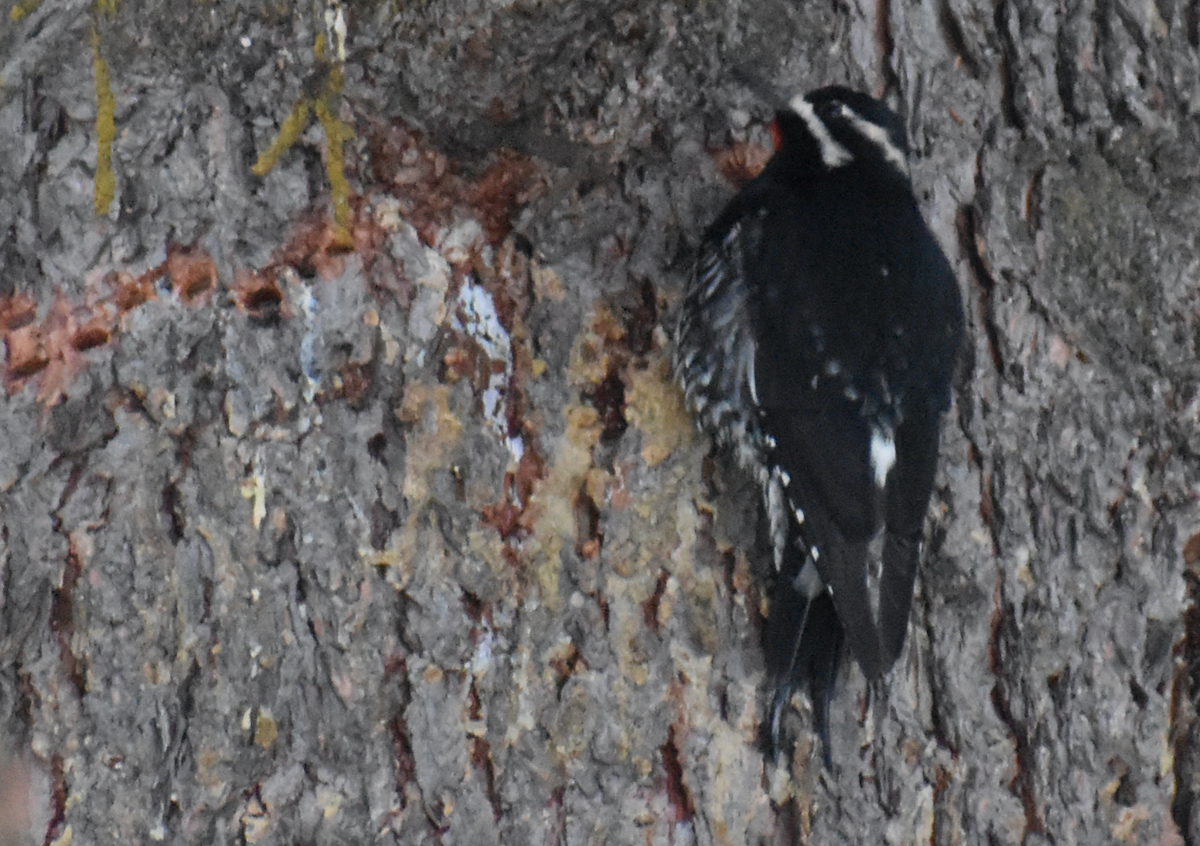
column 832, row 495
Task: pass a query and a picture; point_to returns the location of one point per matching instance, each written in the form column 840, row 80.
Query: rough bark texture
column 374, row 517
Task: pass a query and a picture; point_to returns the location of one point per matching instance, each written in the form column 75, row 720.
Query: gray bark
column 412, row 541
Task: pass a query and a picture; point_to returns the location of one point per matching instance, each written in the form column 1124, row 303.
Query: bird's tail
column 803, row 641
column 901, row 555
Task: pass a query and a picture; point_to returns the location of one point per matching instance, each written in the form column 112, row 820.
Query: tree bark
column 345, row 495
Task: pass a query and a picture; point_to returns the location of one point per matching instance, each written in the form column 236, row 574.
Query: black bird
column 818, row 340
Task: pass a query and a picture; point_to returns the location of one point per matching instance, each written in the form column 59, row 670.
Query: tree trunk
column 345, row 495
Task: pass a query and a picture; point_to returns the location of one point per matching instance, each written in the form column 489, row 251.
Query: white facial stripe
column 878, row 136
column 832, row 153
column 883, row 454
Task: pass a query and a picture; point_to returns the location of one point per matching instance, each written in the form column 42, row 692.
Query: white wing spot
column 883, row 454
column 832, row 153
column 808, row 581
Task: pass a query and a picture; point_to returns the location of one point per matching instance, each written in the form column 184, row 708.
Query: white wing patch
column 832, row 153
column 883, row 454
column 777, row 515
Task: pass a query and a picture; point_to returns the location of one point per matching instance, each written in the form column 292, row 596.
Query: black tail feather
column 803, row 641
column 782, row 632
column 901, row 556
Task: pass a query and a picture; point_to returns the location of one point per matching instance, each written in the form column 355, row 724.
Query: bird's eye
column 830, row 109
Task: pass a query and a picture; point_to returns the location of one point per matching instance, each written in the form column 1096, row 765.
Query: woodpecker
column 817, row 340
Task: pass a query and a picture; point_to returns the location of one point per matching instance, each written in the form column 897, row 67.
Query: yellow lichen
column 23, row 8
column 336, row 132
column 289, row 133
column 106, row 129
column 265, row 729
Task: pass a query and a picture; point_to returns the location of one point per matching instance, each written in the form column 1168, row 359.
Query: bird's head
column 833, row 127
